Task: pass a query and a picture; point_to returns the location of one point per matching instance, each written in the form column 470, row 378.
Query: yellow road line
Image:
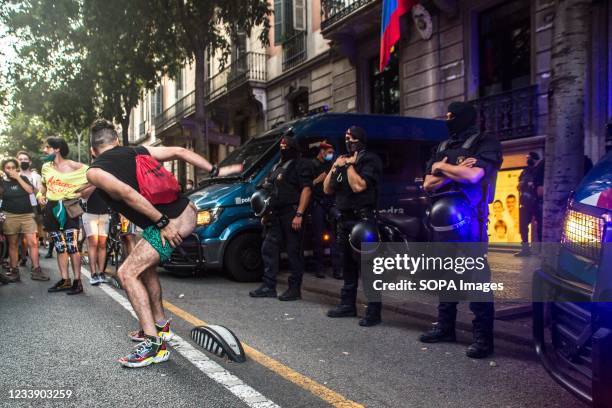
column 330, row 396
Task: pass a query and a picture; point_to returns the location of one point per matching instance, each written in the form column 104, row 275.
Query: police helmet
column 449, row 218
column 260, row 202
column 364, row 232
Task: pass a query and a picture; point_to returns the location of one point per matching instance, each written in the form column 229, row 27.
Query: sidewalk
column 513, row 321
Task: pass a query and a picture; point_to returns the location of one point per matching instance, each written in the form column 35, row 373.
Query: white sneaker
column 95, row 279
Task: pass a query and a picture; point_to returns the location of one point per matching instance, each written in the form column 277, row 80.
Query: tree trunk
column 125, row 127
column 564, row 157
column 200, row 138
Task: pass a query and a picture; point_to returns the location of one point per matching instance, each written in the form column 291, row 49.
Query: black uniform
column 353, row 208
column 287, row 180
column 528, row 201
column 488, row 155
column 322, row 209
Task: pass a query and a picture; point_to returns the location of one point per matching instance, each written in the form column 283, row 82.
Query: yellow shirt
column 62, row 186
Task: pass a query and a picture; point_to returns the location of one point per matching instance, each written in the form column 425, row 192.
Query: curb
column 504, row 330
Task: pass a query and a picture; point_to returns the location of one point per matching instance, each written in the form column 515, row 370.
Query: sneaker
column 13, row 275
column 38, row 274
column 152, row 350
column 162, row 331
column 95, row 279
column 60, row 286
column 103, row 277
column 77, row 287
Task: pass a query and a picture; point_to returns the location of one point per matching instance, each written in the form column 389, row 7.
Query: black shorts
column 50, row 222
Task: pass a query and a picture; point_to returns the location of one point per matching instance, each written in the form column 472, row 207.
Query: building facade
column 324, row 54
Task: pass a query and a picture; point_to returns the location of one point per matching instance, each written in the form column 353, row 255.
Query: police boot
column 438, row 333
column 372, row 316
column 292, row 293
column 482, row 346
column 525, row 250
column 263, row 291
column 342, row 311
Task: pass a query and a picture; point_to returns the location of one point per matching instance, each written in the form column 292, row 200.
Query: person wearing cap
column 291, row 186
column 354, row 179
column 465, row 168
column 321, row 208
column 528, row 201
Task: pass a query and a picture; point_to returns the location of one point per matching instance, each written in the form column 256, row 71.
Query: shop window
column 384, row 87
column 505, row 47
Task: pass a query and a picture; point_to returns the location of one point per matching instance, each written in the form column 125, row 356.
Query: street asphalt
column 55, row 341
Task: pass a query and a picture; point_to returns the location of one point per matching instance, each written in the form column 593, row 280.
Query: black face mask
column 530, row 162
column 24, row 165
column 352, row 147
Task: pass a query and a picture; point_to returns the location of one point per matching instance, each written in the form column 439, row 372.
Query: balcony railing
column 183, row 107
column 250, row 67
column 294, row 50
column 509, row 115
column 333, row 11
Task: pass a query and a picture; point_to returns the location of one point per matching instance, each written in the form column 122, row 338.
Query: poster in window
column 504, row 211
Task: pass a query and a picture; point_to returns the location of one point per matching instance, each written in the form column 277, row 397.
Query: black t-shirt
column 317, row 189
column 120, row 161
column 488, row 154
column 289, row 182
column 369, row 167
column 15, row 199
column 95, row 204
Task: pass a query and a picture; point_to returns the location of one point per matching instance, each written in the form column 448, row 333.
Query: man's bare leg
column 150, row 279
column 142, row 258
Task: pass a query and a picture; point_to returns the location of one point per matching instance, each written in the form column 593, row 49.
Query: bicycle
column 115, row 253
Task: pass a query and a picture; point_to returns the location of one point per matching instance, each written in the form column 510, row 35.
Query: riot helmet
column 260, row 202
column 449, row 218
column 364, row 232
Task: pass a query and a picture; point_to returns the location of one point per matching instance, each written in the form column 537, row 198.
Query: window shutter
column 278, row 21
column 299, row 15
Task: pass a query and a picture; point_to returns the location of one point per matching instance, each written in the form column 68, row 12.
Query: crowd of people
column 131, row 181
column 53, row 209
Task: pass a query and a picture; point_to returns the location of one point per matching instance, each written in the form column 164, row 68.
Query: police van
column 228, row 235
column 573, row 299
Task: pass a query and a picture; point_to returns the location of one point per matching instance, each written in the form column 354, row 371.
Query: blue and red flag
column 392, row 10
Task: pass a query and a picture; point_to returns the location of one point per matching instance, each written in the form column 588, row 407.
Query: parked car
column 228, row 235
column 573, row 309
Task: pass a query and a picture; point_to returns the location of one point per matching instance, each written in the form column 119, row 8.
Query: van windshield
column 250, row 153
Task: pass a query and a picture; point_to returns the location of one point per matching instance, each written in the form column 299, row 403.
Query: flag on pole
column 392, row 10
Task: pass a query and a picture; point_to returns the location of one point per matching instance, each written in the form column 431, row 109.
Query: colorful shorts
column 66, row 241
column 152, row 235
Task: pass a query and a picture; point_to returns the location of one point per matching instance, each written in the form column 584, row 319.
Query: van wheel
column 243, row 260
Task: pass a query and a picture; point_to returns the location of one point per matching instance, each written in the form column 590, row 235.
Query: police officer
column 464, row 170
column 354, row 179
column 321, row 210
column 528, row 201
column 290, row 183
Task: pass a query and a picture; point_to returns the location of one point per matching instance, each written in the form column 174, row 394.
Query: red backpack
column 156, row 184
